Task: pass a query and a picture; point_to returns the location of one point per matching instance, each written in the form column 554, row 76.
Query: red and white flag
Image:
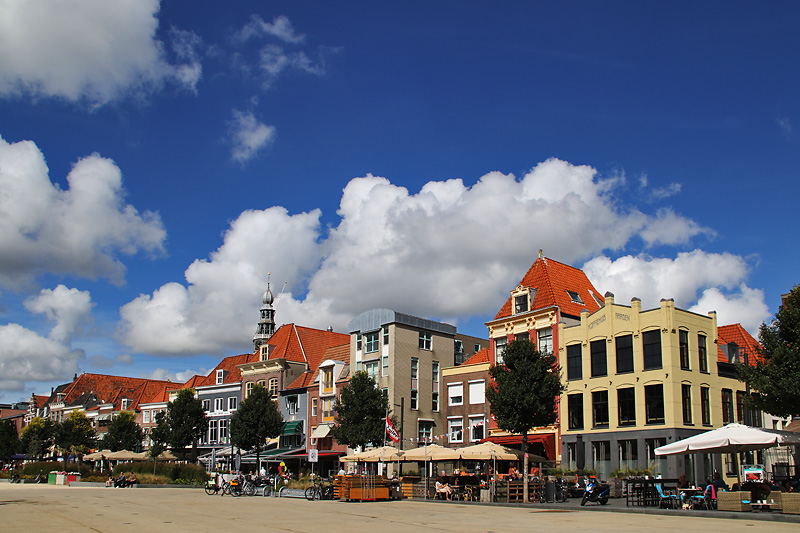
column 391, row 431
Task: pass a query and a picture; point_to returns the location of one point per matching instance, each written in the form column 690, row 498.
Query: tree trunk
column 525, row 465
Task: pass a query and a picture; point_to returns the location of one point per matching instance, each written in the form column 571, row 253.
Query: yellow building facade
column 639, row 379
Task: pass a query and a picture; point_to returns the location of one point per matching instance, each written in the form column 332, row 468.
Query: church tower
column 266, row 321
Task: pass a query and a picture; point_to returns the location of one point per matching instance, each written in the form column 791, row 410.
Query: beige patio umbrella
column 384, row 454
column 123, row 455
column 96, row 456
column 490, row 450
column 432, row 452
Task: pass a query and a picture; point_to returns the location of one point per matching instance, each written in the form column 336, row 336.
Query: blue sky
column 158, row 160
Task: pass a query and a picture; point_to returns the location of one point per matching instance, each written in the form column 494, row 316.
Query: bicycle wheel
column 211, row 489
column 311, row 493
column 249, row 489
column 226, row 489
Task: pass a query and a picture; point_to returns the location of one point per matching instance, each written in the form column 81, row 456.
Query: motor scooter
column 596, row 492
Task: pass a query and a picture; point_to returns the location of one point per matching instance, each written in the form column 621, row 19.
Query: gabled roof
column 40, row 400
column 193, row 381
column 303, row 380
column 735, row 333
column 481, row 356
column 304, row 345
column 552, row 280
column 229, row 365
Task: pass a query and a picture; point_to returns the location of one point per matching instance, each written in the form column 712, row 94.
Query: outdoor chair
column 669, row 501
column 705, row 501
column 734, row 501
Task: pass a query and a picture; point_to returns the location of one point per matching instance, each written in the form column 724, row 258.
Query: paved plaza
column 60, row 509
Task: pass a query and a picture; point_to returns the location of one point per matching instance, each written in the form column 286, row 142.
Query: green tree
column 37, row 437
column 159, row 436
column 524, row 392
column 9, row 441
column 360, row 413
column 123, row 433
column 257, row 419
column 775, row 377
column 75, row 434
column 186, row 421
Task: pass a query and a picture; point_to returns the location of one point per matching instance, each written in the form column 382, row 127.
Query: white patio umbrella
column 733, row 438
column 431, row 452
column 383, row 454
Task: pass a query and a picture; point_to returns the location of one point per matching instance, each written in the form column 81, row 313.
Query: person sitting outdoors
column 443, row 487
column 120, row 482
column 131, row 479
column 719, row 483
column 110, row 481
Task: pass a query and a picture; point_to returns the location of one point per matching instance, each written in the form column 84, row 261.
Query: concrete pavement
column 60, row 509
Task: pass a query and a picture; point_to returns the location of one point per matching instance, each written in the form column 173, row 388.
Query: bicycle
column 321, row 489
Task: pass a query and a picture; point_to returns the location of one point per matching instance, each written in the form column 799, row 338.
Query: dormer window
column 264, row 352
column 124, row 403
column 575, row 297
column 521, row 303
column 220, row 376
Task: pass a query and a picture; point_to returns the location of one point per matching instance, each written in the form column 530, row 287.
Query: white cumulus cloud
column 27, row 356
column 87, row 50
column 699, row 281
column 447, row 251
column 80, row 231
column 70, row 309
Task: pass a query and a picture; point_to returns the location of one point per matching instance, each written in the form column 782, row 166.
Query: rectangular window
column 435, row 385
column 291, row 405
column 522, row 336
column 624, row 346
column 424, row 431
column 414, row 373
column 248, row 388
column 545, row 340
column 499, row 349
column 476, row 428
column 600, row 409
column 435, row 401
column 683, row 346
column 727, row 406
column 654, row 404
column 218, row 404
column 232, row 402
column 477, row 392
column 598, row 354
column 702, row 354
column 358, row 341
column 628, row 453
column 371, row 342
column 574, row 362
column 145, row 417
column 520, row 303
column 385, row 335
column 686, row 403
column 206, row 405
column 223, row 432
column 455, row 394
column 626, row 403
column 455, row 429
column 425, row 340
column 371, row 369
column 212, row 432
column 741, row 414
column 575, row 297
column 414, row 400
column 327, row 379
column 651, row 344
column 385, row 363
column 327, row 409
column 575, row 410
column 220, row 376
column 273, row 388
column 705, row 406
column 476, row 348
column 314, row 407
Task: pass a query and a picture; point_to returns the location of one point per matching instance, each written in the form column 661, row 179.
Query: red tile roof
column 193, row 381
column 552, row 280
column 40, row 400
column 305, row 345
column 107, row 389
column 229, row 365
column 735, row 333
column 481, row 356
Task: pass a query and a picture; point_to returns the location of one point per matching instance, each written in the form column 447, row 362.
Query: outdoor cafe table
column 642, row 492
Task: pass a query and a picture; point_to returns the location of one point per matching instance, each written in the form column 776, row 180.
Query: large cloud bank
column 448, row 251
column 90, row 50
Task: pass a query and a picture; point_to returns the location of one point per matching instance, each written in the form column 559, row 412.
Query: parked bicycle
column 320, row 489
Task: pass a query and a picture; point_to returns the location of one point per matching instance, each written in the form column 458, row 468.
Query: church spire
column 266, row 321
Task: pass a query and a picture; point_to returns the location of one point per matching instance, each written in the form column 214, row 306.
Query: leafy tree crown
column 360, row 412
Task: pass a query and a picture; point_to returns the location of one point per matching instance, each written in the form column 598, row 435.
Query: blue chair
column 669, row 501
column 704, row 501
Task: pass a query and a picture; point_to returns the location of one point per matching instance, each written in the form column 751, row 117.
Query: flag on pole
column 391, row 431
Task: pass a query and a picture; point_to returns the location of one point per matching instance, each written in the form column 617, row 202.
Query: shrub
column 166, row 471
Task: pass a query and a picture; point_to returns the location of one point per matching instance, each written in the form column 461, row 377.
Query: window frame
column 702, row 353
column 600, row 415
column 372, row 342
column 544, row 339
column 455, row 424
column 649, row 351
column 599, row 358
column 574, row 362
column 626, row 407
column 455, row 399
column 575, row 418
column 705, row 405
column 624, row 354
column 683, row 349
column 686, row 404
column 425, row 340
column 654, row 408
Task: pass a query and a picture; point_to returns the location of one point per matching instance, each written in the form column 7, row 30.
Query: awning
column 547, row 440
column 292, row 428
column 321, row 432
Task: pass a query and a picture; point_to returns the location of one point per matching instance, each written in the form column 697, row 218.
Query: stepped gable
column 232, row 373
column 481, row 356
column 552, row 280
column 735, row 333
